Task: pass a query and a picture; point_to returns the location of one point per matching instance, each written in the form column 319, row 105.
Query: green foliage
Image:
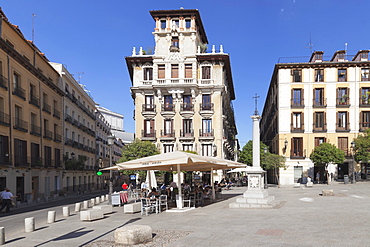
column 75, row 164
column 362, row 147
column 135, row 150
column 274, row 161
column 327, row 153
column 190, row 152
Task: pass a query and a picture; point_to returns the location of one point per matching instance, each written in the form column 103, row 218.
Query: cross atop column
column 255, row 104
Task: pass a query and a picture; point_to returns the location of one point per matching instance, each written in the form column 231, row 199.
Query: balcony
column 68, row 142
column 36, row 161
column 56, row 113
column 297, row 128
column 319, row 103
column 168, row 110
column 168, row 135
column 148, row 135
column 364, row 101
column 206, row 81
column 68, row 118
column 48, row 134
column 187, row 110
column 4, row 119
column 298, row 154
column 35, row 130
column 148, row 110
column 20, row 92
column 343, row 102
column 320, row 127
column 34, row 101
column 207, row 134
column 297, row 103
column 46, row 108
column 21, row 125
column 57, row 137
column 343, row 127
column 364, row 126
column 21, row 160
column 206, row 110
column 187, row 135
column 3, row 82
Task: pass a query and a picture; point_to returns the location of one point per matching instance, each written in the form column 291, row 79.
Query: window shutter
column 161, row 71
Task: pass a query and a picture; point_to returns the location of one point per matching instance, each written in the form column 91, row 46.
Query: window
column 206, row 102
column 297, row 97
column 168, row 129
column 187, row 23
column 176, row 22
column 365, row 120
column 167, row 148
column 319, row 140
column 319, row 75
column 174, row 71
column 297, row 121
column 207, row 150
column 4, row 149
column 342, row 120
column 318, row 56
column 149, row 102
column 161, row 71
column 187, row 127
column 168, row 103
column 365, row 74
column 175, row 42
column 187, row 147
column 342, row 74
column 343, row 144
column 297, row 75
column 149, row 128
column 187, row 106
column 16, row 81
column 206, row 72
column 188, row 71
column 365, row 95
column 297, row 147
column 319, row 97
column 319, row 121
column 47, row 156
column 342, row 96
column 57, row 157
column 163, row 24
column 20, row 152
column 148, row 74
column 207, row 127
column 35, row 154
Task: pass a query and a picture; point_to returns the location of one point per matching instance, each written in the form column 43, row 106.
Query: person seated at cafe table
column 153, row 193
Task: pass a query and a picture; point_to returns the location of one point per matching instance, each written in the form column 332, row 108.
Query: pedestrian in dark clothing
column 6, row 197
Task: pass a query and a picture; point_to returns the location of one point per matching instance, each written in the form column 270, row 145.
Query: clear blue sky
column 93, row 37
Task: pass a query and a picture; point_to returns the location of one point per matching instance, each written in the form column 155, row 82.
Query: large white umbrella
column 178, row 161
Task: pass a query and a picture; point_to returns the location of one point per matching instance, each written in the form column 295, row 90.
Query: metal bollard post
column 51, row 216
column 29, row 224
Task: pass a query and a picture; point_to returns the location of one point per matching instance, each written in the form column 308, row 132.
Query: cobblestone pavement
column 304, row 218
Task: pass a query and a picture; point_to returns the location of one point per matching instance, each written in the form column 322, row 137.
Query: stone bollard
column 102, row 198
column 51, row 216
column 86, row 205
column 107, row 197
column 78, row 207
column 2, row 235
column 97, row 200
column 66, row 211
column 133, row 234
column 92, row 202
column 29, row 224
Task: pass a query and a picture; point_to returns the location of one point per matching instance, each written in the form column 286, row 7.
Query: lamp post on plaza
column 353, row 145
column 265, row 152
column 110, row 144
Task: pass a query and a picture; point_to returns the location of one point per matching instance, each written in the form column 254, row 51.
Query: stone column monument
column 256, row 196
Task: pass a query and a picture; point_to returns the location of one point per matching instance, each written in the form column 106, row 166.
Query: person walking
column 6, row 197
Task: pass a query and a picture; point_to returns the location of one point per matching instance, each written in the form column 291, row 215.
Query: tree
column 362, row 147
column 327, row 153
column 135, row 150
column 268, row 160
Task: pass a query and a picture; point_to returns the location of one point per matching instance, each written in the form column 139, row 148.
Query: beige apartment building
column 30, row 118
column 315, row 100
column 182, row 92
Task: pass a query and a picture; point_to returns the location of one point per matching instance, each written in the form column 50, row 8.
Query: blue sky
column 93, row 37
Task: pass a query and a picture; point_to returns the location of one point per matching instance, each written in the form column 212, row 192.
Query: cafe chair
column 189, row 200
column 145, row 206
column 163, row 202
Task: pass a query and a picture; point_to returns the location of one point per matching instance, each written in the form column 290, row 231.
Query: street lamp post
column 265, row 149
column 110, row 144
column 353, row 145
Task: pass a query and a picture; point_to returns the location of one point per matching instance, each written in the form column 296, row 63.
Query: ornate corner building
column 182, row 93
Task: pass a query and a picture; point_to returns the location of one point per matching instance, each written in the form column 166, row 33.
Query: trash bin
column 346, row 180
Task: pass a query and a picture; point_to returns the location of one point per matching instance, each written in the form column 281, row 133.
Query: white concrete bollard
column 92, row 202
column 86, row 205
column 107, row 197
column 102, row 198
column 2, row 235
column 66, row 211
column 78, row 207
column 97, row 200
column 29, row 224
column 51, row 216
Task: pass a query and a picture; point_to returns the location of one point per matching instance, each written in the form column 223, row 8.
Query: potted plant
column 343, row 99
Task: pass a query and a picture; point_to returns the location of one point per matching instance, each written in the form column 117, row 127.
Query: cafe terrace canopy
column 178, row 161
